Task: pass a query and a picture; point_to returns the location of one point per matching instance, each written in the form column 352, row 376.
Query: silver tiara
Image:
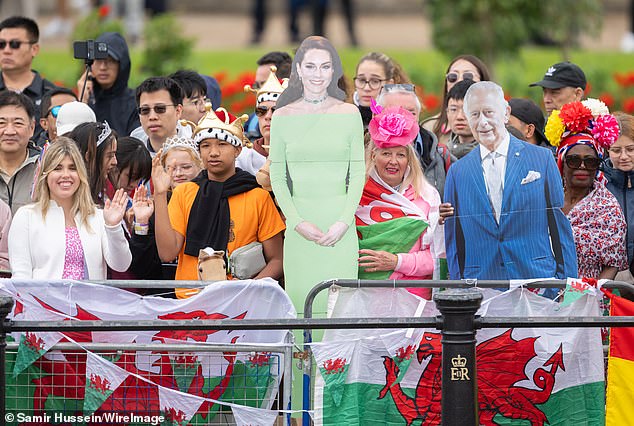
column 181, row 142
column 107, row 131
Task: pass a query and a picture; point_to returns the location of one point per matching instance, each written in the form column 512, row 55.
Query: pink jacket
column 418, row 264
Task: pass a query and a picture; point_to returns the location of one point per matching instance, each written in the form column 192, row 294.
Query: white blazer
column 37, row 245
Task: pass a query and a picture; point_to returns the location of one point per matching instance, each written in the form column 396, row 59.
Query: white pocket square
column 531, row 176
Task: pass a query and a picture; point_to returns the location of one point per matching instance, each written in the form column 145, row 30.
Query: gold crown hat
column 219, row 124
column 271, row 89
column 179, row 142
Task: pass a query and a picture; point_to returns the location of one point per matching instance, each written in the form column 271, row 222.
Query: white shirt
column 502, row 150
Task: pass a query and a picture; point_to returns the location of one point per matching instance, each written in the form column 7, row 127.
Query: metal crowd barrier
column 130, row 393
column 457, row 322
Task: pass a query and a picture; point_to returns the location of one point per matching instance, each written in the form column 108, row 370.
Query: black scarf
column 209, row 218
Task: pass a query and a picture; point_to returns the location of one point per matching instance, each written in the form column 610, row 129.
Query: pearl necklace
column 315, row 101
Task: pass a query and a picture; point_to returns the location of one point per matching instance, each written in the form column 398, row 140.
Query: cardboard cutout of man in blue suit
column 507, row 197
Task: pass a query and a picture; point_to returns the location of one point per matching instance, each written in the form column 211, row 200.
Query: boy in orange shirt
column 223, row 208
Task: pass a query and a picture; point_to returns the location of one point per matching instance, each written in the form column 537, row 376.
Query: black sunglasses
column 54, row 111
column 262, row 110
column 590, row 163
column 452, row 77
column 159, row 109
column 14, row 44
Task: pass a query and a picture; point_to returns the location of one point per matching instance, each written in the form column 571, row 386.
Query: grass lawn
column 426, row 68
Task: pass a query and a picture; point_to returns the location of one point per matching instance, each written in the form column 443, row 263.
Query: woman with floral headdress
column 581, row 132
column 398, row 214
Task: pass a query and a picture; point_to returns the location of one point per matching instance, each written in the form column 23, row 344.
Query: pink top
column 74, row 257
column 418, row 264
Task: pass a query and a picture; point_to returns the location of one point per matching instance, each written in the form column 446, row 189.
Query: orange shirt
column 253, row 217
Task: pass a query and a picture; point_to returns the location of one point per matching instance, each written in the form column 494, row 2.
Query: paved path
column 222, row 31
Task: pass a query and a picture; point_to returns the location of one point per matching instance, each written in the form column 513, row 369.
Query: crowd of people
column 325, row 179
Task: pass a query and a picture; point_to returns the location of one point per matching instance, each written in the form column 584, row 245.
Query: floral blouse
column 74, row 257
column 599, row 230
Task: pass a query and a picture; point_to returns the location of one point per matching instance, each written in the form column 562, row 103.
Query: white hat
column 73, row 114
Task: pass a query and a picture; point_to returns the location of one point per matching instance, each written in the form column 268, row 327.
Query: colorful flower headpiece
column 394, row 126
column 590, row 116
column 581, row 123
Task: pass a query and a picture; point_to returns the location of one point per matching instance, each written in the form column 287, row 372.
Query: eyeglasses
column 374, row 83
column 14, row 44
column 54, row 111
column 590, row 163
column 399, row 86
column 184, row 168
column 262, row 110
column 452, row 77
column 159, row 109
column 199, row 102
column 629, row 150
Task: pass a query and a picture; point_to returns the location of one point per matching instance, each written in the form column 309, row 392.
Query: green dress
column 317, row 173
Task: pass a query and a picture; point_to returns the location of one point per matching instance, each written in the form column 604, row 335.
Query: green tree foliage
column 166, row 50
column 493, row 28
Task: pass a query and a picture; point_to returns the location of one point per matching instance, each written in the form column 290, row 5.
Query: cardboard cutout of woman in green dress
column 317, row 172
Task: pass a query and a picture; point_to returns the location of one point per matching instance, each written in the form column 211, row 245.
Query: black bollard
column 459, row 377
column 6, row 304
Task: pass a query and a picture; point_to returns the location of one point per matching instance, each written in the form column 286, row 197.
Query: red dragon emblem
column 501, row 365
column 259, row 359
column 334, row 366
column 68, row 379
column 172, row 415
column 405, row 353
column 99, row 383
column 34, row 342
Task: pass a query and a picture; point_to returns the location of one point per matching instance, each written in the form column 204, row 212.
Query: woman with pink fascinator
column 397, row 218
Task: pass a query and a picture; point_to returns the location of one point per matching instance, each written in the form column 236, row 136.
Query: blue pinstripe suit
column 519, row 247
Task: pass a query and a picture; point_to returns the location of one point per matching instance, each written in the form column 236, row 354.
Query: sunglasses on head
column 14, row 44
column 54, row 111
column 452, row 77
column 399, row 86
column 590, row 163
column 262, row 110
column 159, row 109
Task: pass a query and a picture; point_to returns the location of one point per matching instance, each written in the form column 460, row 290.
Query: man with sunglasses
column 18, row 47
column 160, row 106
column 507, row 196
column 49, row 109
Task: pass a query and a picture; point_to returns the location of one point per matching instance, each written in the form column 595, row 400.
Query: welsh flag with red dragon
column 387, row 221
column 524, row 376
column 79, row 383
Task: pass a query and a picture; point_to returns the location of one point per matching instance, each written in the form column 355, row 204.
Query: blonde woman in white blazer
column 63, row 235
